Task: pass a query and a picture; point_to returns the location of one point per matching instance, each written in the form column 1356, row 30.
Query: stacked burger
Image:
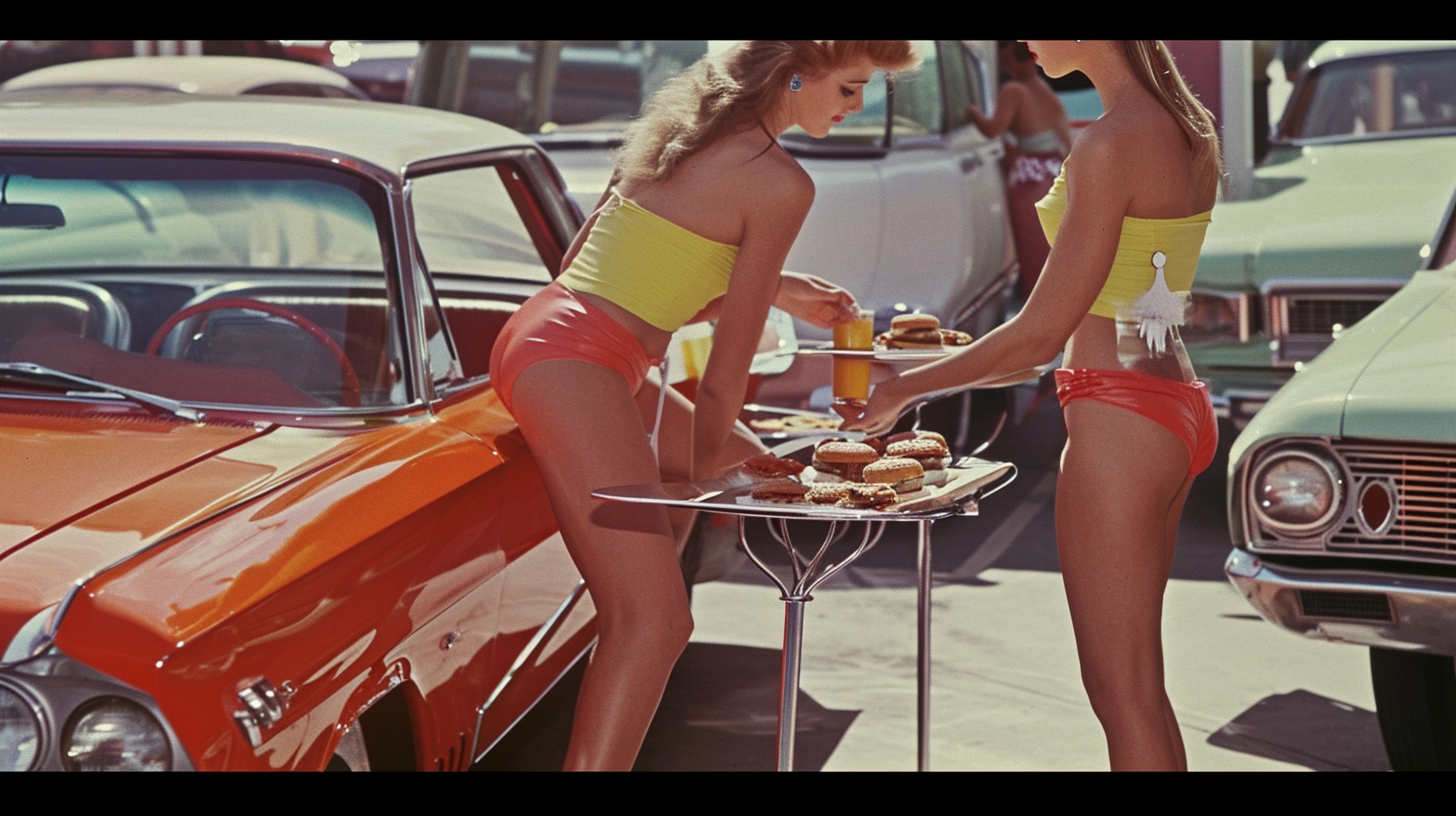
column 920, row 331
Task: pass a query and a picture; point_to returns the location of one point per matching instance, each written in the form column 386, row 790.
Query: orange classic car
column 259, row 506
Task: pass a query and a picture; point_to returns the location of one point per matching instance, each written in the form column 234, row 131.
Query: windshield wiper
column 32, row 374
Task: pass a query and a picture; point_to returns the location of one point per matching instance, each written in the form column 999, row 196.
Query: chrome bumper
column 1415, row 614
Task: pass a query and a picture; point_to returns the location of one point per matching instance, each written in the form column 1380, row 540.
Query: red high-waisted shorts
column 557, row 325
column 1183, row 408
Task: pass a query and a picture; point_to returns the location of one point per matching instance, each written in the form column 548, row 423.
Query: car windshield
column 1376, row 96
column 599, row 85
column 211, row 282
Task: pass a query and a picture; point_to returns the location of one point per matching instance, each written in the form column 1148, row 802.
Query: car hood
column 79, row 493
column 1351, row 210
column 1388, row 377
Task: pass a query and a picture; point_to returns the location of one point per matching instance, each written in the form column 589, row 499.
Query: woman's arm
column 1008, row 100
column 1076, row 270
column 771, row 223
column 808, row 297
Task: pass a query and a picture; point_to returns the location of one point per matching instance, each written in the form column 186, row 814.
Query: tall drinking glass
column 851, row 383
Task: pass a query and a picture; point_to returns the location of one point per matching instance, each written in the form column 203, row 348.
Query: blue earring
column 796, row 84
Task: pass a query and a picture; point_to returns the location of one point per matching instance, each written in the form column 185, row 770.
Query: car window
column 919, row 100
column 600, row 85
column 960, row 88
column 223, row 282
column 476, row 223
column 468, row 223
column 1393, row 93
column 307, row 89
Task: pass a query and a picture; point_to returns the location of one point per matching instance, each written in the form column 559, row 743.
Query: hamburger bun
column 904, row 475
column 843, row 460
column 780, row 491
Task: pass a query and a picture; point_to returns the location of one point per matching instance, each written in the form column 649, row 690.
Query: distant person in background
column 1027, row 109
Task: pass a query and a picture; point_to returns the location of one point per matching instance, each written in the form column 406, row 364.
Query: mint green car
column 1341, row 211
column 1342, row 506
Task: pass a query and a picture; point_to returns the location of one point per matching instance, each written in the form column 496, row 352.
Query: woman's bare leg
column 1122, row 485
column 1171, row 537
column 675, row 443
column 584, row 431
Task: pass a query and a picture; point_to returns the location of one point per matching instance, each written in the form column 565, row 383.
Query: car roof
column 1345, row 49
column 388, row 136
column 185, row 74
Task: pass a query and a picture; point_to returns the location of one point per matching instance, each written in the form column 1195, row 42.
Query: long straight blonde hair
column 716, row 96
column 1154, row 67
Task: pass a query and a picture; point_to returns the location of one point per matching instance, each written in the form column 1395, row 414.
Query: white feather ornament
column 1158, row 310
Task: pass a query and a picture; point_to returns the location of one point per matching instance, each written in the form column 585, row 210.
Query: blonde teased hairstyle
column 716, row 96
column 1153, row 65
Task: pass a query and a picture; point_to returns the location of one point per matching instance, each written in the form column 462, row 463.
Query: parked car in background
column 379, row 68
column 1342, row 505
column 909, row 213
column 1341, row 211
column 260, row 507
column 192, row 75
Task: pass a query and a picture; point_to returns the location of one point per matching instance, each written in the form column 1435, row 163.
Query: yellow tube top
column 1132, row 272
column 653, row 268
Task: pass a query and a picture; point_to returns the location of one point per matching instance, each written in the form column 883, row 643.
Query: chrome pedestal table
column 971, row 480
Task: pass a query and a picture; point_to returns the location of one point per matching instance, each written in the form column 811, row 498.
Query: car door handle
column 971, row 163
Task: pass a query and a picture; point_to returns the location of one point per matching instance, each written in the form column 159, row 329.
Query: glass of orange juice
column 851, row 384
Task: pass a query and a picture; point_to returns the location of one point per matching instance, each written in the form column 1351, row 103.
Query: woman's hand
column 884, row 408
column 814, row 300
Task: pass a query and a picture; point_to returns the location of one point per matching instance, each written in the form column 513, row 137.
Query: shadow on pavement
column 719, row 713
column 1303, row 728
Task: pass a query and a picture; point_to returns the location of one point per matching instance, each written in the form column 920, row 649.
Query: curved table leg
column 806, row 577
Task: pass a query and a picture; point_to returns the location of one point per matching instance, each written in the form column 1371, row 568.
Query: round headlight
column 115, row 734
column 19, row 732
column 1296, row 492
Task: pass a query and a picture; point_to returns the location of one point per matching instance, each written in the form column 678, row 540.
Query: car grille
column 1319, row 603
column 1304, row 323
column 1424, row 477
column 1322, row 315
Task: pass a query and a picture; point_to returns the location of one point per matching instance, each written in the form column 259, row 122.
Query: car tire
column 1415, row 700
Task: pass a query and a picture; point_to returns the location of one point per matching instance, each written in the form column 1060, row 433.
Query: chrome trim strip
column 547, row 629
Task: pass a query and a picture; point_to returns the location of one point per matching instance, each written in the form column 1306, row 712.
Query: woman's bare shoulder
column 770, row 183
column 1103, row 150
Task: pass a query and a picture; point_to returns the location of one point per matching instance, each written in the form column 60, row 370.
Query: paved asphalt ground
column 1006, row 693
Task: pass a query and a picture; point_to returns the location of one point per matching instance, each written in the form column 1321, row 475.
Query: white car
column 208, row 75
column 910, row 211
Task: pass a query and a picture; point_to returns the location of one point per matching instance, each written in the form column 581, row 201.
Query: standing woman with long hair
column 703, row 210
column 1126, row 220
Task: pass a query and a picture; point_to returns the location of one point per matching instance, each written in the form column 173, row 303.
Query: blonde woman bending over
column 705, row 207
